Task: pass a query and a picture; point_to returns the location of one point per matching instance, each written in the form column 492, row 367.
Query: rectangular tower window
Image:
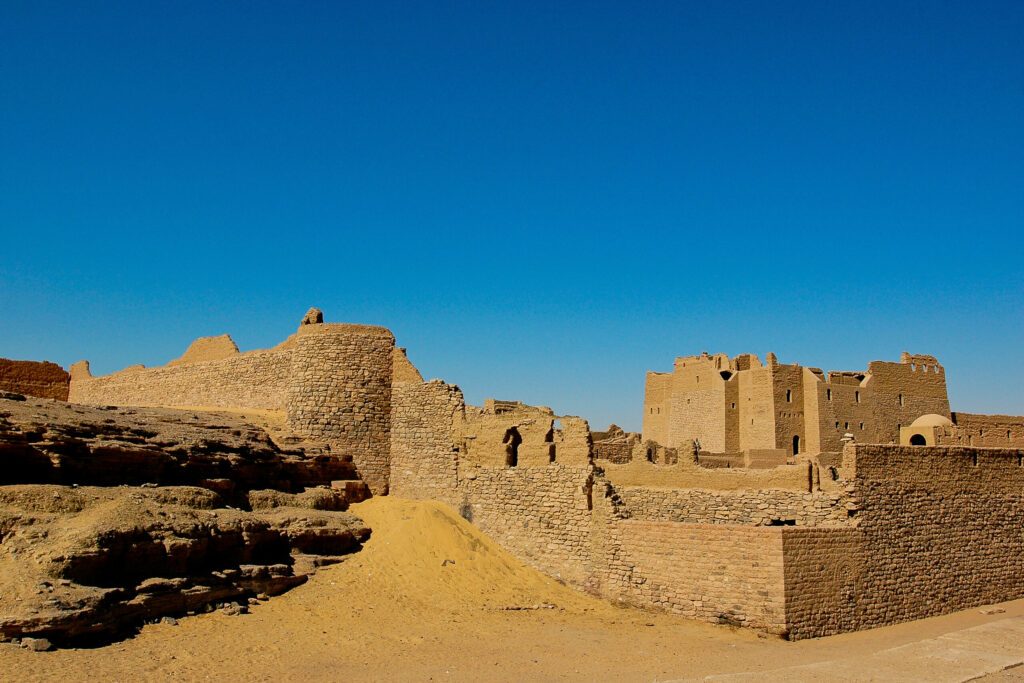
column 901, row 400
column 789, row 396
column 856, row 396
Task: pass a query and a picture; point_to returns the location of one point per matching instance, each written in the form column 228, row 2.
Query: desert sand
column 430, row 598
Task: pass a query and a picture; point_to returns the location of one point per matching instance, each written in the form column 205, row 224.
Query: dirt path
column 427, row 600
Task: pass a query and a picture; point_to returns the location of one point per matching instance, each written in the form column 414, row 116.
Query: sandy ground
column 427, row 600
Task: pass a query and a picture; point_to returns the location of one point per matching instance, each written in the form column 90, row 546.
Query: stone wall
column 937, row 529
column 424, row 454
column 722, row 574
column 332, row 382
column 257, row 379
column 31, row 378
column 765, row 507
column 993, row 431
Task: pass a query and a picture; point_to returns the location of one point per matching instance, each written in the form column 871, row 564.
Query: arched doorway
column 796, row 444
column 512, row 440
column 918, row 440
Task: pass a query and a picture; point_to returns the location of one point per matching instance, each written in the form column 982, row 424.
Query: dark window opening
column 789, row 396
column 725, row 374
column 828, row 394
column 918, row 440
column 782, row 522
column 974, row 457
column 901, row 400
column 856, row 396
column 512, row 440
column 796, row 444
column 650, row 455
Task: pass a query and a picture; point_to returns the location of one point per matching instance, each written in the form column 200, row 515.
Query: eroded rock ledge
column 113, row 517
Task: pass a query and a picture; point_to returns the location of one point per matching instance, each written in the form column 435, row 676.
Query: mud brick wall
column 31, row 378
column 745, row 507
column 257, row 379
column 340, row 391
column 822, row 570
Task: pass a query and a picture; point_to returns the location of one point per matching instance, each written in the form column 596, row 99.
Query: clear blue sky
column 541, row 200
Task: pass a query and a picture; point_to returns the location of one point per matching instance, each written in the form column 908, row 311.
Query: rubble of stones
column 112, row 518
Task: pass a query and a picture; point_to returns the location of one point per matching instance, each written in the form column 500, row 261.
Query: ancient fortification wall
column 332, row 381
column 31, row 378
column 992, row 431
column 257, row 379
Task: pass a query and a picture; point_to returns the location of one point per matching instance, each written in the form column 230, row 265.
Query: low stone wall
column 31, row 378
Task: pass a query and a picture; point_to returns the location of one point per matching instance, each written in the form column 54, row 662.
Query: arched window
column 918, row 440
column 856, row 396
column 796, row 444
column 789, row 396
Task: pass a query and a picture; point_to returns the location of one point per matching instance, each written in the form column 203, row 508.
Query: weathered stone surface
column 52, row 442
column 99, row 533
column 31, row 378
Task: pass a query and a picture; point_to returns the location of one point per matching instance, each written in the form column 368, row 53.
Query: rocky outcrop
column 42, row 379
column 110, row 518
column 47, row 442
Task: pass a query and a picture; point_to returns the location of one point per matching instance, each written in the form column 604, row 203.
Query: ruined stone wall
column 31, row 378
column 425, row 421
column 993, row 431
column 540, row 514
column 765, row 507
column 340, row 392
column 332, row 381
column 257, row 379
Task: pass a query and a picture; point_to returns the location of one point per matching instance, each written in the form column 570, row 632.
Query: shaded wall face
column 31, row 378
column 788, row 400
column 937, row 530
column 340, row 392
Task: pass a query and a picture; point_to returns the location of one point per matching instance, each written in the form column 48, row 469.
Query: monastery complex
column 759, row 494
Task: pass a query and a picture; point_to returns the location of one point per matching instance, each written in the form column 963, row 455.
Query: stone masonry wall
column 424, row 456
column 764, row 507
column 257, row 379
column 993, row 431
column 722, row 574
column 31, row 378
column 938, row 529
column 340, row 391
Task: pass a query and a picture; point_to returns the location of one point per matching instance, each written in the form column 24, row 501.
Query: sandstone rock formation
column 113, row 517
